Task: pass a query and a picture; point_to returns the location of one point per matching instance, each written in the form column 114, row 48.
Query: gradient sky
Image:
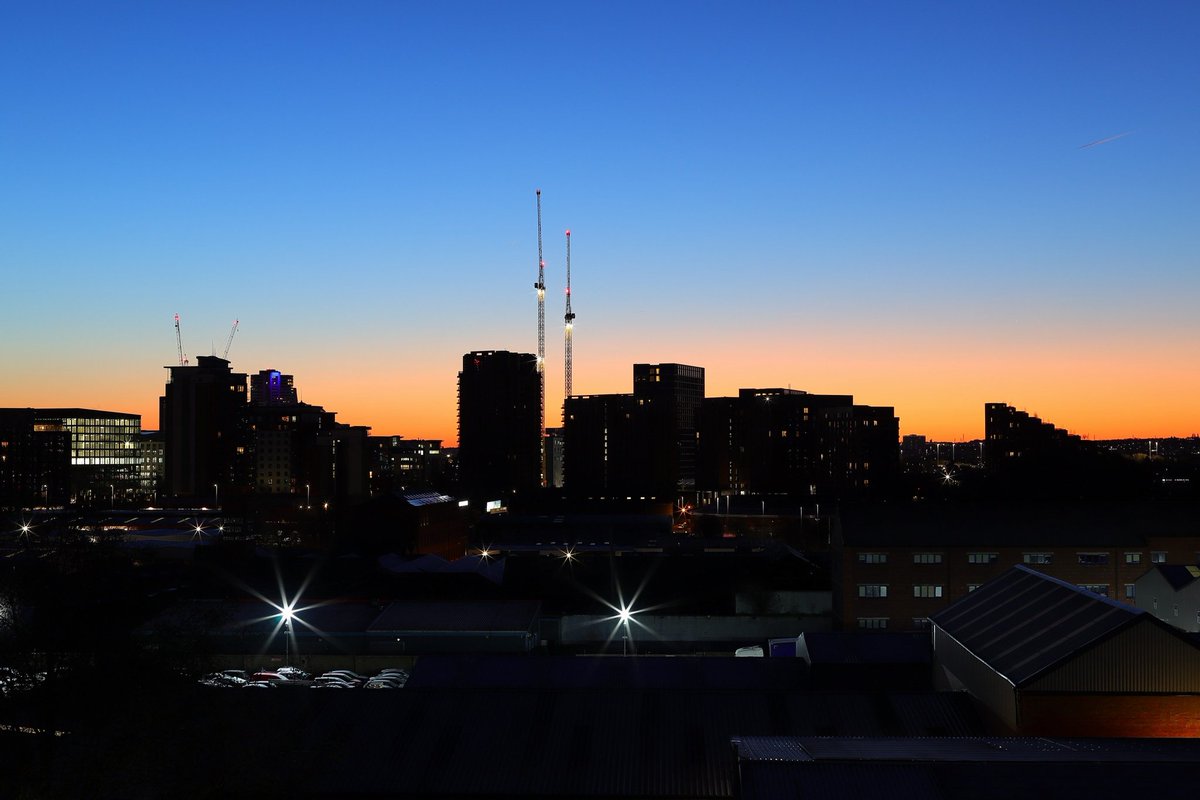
column 891, row 200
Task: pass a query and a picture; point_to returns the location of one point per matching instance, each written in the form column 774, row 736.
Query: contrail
column 1105, row 141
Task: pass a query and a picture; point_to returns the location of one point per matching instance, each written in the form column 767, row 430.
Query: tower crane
column 569, row 320
column 229, row 341
column 541, row 353
column 179, row 343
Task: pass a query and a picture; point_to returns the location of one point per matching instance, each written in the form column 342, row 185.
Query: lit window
column 872, row 590
column 927, row 558
column 973, row 586
column 927, row 590
column 1038, row 558
column 1130, row 591
column 982, row 558
column 1158, row 557
column 1133, row 558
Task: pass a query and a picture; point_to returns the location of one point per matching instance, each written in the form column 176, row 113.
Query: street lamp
column 112, row 496
column 287, row 615
column 308, row 495
column 216, row 497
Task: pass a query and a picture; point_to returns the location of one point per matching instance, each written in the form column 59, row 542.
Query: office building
column 406, row 465
column 499, row 423
column 669, row 395
column 105, row 453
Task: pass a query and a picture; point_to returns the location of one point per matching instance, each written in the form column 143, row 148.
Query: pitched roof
column 1024, row 622
column 1178, row 575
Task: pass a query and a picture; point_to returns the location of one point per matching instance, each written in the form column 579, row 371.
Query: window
column 1093, row 559
column 1133, row 558
column 927, row 558
column 1098, row 588
column 875, row 623
column 1038, row 558
column 872, row 590
column 1158, row 557
column 973, row 586
column 982, row 558
column 1130, row 591
column 872, row 558
column 1175, row 610
column 920, row 623
column 927, row 590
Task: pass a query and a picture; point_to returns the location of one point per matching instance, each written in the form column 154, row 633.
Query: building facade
column 499, row 423
column 784, row 441
column 105, row 452
column 894, row 568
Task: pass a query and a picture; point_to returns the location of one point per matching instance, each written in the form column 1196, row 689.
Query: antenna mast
column 541, row 353
column 569, row 319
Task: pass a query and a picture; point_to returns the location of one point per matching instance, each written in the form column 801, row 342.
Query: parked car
column 293, row 674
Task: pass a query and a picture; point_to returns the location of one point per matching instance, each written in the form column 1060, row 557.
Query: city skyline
column 929, row 208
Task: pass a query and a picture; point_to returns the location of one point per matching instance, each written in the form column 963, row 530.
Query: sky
column 895, row 200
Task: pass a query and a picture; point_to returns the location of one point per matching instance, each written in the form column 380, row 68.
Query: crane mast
column 229, row 341
column 569, row 320
column 179, row 343
column 541, row 353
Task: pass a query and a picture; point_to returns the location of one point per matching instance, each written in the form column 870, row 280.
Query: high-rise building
column 768, row 441
column 406, row 465
column 642, row 443
column 499, row 422
column 669, row 395
column 271, row 387
column 201, row 417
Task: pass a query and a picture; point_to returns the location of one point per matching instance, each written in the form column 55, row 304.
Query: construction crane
column 541, row 353
column 179, row 343
column 229, row 341
column 569, row 320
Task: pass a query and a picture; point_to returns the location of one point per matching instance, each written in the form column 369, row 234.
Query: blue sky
column 836, row 196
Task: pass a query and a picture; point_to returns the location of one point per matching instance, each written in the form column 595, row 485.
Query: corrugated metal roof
column 1024, row 622
column 847, row 647
column 972, row 748
column 426, row 498
column 509, row 616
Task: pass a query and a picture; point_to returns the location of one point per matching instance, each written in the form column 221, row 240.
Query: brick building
column 895, row 567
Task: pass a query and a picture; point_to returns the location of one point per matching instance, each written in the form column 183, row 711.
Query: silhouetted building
column 499, row 422
column 201, row 419
column 105, row 457
column 767, row 441
column 35, row 460
column 271, row 387
column 302, row 450
column 670, row 395
column 1014, row 437
column 639, row 444
column 1028, row 457
column 554, row 457
column 399, row 464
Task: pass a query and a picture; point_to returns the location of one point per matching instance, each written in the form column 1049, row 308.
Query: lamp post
column 112, row 496
column 216, row 496
column 307, row 495
column 287, row 635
